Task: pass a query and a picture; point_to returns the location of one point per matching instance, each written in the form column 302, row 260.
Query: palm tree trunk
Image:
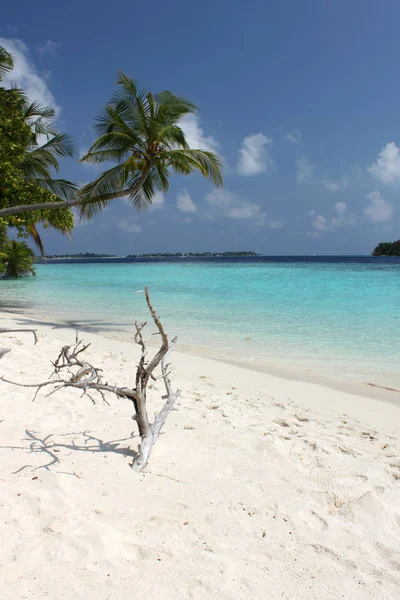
column 77, row 201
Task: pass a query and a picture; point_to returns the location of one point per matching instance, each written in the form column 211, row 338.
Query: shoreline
column 371, row 389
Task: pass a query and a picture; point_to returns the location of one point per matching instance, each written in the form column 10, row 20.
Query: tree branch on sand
column 83, row 376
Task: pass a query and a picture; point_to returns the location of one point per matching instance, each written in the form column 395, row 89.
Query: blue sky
column 301, row 99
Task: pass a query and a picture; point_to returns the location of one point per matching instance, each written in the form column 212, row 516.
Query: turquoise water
column 337, row 318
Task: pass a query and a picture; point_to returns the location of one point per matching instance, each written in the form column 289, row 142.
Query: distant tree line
column 387, row 249
column 81, row 255
column 191, row 254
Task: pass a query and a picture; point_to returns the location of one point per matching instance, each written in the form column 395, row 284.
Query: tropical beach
column 199, row 301
column 257, row 483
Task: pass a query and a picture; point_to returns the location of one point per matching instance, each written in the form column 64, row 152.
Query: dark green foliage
column 25, row 166
column 387, row 249
column 19, row 259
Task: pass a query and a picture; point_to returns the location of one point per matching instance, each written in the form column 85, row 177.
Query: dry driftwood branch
column 72, row 371
column 32, row 331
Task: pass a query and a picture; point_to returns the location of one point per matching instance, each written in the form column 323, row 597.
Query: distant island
column 387, row 249
column 152, row 255
column 84, row 255
column 190, row 254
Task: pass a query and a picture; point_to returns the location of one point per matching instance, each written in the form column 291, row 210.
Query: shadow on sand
column 50, row 448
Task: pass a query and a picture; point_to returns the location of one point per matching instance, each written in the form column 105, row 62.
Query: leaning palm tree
column 19, row 259
column 141, row 133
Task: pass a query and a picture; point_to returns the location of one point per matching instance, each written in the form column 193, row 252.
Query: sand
column 259, row 487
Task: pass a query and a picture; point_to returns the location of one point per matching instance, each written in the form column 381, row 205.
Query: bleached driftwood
column 89, row 379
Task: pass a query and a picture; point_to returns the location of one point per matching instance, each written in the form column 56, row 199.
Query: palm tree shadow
column 49, row 447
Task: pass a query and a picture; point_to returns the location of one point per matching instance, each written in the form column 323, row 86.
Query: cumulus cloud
column 320, row 223
column 25, row 75
column 230, row 204
column 304, row 169
column 378, row 210
column 254, row 155
column 50, row 47
column 341, row 218
column 184, row 202
column 195, row 137
column 334, row 185
column 386, row 168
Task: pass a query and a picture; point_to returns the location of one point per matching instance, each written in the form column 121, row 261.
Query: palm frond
column 97, row 194
column 38, row 164
column 175, row 106
column 34, row 234
column 6, row 62
column 143, row 197
column 160, row 175
column 187, row 160
column 59, row 145
column 38, row 109
column 59, row 187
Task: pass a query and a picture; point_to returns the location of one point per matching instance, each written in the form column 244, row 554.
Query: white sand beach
column 260, row 487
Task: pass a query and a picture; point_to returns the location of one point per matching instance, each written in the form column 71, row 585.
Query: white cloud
column 341, row 208
column 305, row 169
column 320, row 223
column 386, row 168
column 230, row 204
column 276, row 224
column 184, row 202
column 158, row 201
column 334, row 186
column 341, row 218
column 25, row 76
column 378, row 210
column 254, row 155
column 294, row 137
column 190, row 125
column 128, row 226
column 50, row 47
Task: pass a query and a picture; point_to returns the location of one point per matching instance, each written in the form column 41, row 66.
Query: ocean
column 336, row 316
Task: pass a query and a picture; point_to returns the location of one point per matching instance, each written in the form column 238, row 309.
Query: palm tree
column 45, row 147
column 19, row 259
column 46, row 144
column 140, row 132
